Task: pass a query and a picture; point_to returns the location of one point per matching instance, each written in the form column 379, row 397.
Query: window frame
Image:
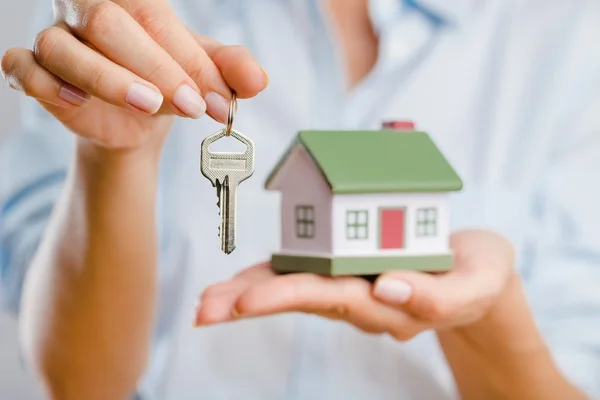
column 426, row 222
column 357, row 224
column 305, row 221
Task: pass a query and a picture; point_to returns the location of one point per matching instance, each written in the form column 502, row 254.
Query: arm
column 541, row 341
column 504, row 356
column 88, row 302
column 498, row 346
column 87, row 306
column 95, row 275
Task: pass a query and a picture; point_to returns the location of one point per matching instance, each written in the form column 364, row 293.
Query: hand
column 401, row 303
column 117, row 71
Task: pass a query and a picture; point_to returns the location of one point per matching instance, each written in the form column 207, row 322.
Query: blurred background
column 14, row 31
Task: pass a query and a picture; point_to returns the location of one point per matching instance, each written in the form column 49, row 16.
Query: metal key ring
column 231, row 114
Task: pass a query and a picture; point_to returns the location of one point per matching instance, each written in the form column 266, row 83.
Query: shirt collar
column 439, row 12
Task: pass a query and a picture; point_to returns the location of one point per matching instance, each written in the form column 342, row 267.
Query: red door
column 391, row 229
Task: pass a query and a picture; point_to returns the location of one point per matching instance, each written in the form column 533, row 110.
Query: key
column 226, row 171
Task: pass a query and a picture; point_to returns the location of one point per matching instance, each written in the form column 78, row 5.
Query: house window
column 357, row 224
column 305, row 222
column 426, row 222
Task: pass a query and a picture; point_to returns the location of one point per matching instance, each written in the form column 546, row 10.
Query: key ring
column 231, row 114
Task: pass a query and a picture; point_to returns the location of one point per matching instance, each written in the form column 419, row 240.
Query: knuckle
column 45, row 44
column 402, row 335
column 159, row 70
column 99, row 20
column 197, row 70
column 213, row 291
column 99, row 80
column 240, row 52
column 433, row 309
column 158, row 23
column 342, row 311
column 371, row 330
column 10, row 71
column 8, row 63
column 338, row 312
column 26, row 82
column 351, row 294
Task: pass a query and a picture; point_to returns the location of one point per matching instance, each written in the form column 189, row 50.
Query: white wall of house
column 301, row 183
column 372, row 203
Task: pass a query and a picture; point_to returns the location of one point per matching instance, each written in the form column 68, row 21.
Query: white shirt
column 509, row 90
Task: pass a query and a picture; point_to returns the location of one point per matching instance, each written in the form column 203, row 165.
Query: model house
column 364, row 202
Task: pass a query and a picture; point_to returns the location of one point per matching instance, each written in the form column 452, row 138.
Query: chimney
column 398, row 125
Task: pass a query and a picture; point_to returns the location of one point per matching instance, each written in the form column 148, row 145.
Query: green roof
column 382, row 161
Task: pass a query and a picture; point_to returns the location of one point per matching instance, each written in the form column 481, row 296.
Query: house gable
column 295, row 156
column 305, row 205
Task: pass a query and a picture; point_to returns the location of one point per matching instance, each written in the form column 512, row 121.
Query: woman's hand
column 116, row 71
column 400, row 303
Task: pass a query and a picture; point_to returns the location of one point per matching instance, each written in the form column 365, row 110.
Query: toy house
column 364, row 202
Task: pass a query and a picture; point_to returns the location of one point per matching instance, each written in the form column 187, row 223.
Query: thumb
column 422, row 295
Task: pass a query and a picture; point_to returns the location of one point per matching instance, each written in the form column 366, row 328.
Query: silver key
column 226, row 171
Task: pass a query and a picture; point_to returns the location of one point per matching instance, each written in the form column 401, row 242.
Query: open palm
column 400, row 303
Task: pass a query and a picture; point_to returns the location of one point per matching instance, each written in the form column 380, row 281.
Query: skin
column 88, row 305
column 478, row 310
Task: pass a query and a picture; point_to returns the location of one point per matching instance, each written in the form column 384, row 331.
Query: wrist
column 94, row 157
column 105, row 176
column 505, row 347
column 508, row 327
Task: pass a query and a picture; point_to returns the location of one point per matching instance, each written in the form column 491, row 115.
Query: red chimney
column 399, row 125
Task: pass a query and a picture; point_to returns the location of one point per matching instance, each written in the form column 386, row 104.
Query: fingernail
column 217, row 106
column 144, row 98
column 196, row 317
column 393, row 291
column 266, row 76
column 195, row 322
column 189, row 101
column 73, row 95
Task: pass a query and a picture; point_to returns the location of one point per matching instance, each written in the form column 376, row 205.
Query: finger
column 240, row 70
column 67, row 58
column 217, row 301
column 481, row 249
column 458, row 296
column 23, row 73
column 240, row 281
column 346, row 298
column 464, row 294
column 258, row 271
column 161, row 23
column 116, row 34
column 216, row 305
